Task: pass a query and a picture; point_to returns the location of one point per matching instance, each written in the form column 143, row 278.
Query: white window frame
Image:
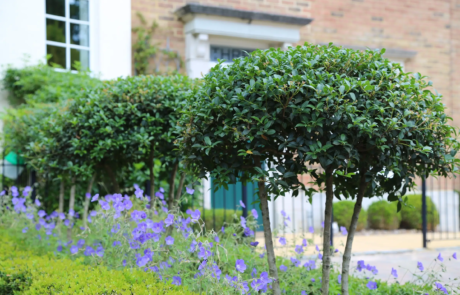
column 68, row 46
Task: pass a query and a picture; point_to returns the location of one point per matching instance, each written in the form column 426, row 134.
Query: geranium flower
column 240, row 265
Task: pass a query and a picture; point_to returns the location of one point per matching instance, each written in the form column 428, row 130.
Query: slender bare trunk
column 87, row 200
column 268, row 232
column 61, row 195
column 151, row 165
column 181, row 186
column 172, row 181
column 113, row 179
column 71, row 208
column 327, row 231
column 351, row 232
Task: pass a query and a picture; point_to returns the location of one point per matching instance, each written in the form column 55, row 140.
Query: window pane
column 79, row 9
column 81, row 56
column 227, row 53
column 55, row 7
column 57, row 55
column 79, row 34
column 55, row 30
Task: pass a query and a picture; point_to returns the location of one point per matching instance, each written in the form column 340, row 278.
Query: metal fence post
column 244, row 199
column 424, row 228
column 148, row 188
column 33, row 180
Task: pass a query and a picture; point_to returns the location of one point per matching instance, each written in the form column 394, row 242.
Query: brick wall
column 430, row 27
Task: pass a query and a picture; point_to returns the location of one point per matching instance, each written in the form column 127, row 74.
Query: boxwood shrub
column 412, row 214
column 220, row 216
column 343, row 211
column 383, row 215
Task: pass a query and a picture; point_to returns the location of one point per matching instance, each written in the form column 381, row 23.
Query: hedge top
column 340, row 108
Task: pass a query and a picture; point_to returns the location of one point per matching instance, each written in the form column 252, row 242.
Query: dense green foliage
column 383, row 215
column 23, row 272
column 216, row 218
column 343, row 211
column 411, row 215
column 43, row 84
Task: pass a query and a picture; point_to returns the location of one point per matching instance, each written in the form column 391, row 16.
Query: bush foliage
column 412, row 213
column 343, row 211
column 383, row 215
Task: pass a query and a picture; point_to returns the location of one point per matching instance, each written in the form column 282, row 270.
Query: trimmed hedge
column 216, row 220
column 412, row 214
column 383, row 215
column 43, row 84
column 22, row 272
column 343, row 211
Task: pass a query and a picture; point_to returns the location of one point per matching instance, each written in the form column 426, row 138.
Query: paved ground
column 400, row 250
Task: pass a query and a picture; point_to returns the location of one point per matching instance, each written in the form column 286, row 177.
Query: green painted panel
column 230, row 199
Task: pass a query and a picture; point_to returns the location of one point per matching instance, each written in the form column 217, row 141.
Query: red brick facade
column 429, row 27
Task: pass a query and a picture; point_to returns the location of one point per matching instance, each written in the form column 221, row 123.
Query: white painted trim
column 200, row 25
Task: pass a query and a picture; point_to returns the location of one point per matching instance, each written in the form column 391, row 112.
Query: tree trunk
column 71, row 207
column 351, row 232
column 87, row 200
column 61, row 196
column 172, row 181
column 151, row 165
column 181, row 186
column 113, row 178
column 327, row 231
column 268, row 232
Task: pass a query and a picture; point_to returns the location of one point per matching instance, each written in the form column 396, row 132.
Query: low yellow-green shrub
column 22, row 272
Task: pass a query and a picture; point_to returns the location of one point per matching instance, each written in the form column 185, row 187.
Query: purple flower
column 339, row 279
column 195, row 215
column 37, row 203
column 25, row 229
column 262, row 255
column 440, row 257
column 310, row 265
column 190, row 191
column 313, row 280
column 303, row 292
column 74, row 249
column 420, row 266
column 304, row 242
column 248, row 232
column 222, row 229
column 177, row 281
column 317, row 248
column 243, row 222
column 41, row 213
column 216, row 239
column 169, row 240
column 283, row 213
column 159, row 195
column 127, row 204
column 282, row 241
column 81, row 243
column 89, row 251
column 240, row 266
column 371, row 285
column 169, row 220
column 320, row 256
column 254, row 213
column 343, row 229
column 295, row 261
column 124, row 262
column 116, row 243
column 283, row 268
column 242, row 204
column 164, row 209
column 59, row 248
column 157, row 227
column 311, row 230
column 95, row 198
column 394, row 272
column 440, row 287
column 115, row 228
column 361, row 265
column 254, row 244
column 299, row 249
column 454, row 255
column 100, row 251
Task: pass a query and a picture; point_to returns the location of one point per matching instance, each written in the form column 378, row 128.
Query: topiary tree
column 382, row 215
column 371, row 127
column 382, row 126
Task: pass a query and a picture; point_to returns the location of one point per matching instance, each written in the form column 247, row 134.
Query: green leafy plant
column 411, row 214
column 216, row 218
column 343, row 212
column 383, row 215
column 143, row 49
